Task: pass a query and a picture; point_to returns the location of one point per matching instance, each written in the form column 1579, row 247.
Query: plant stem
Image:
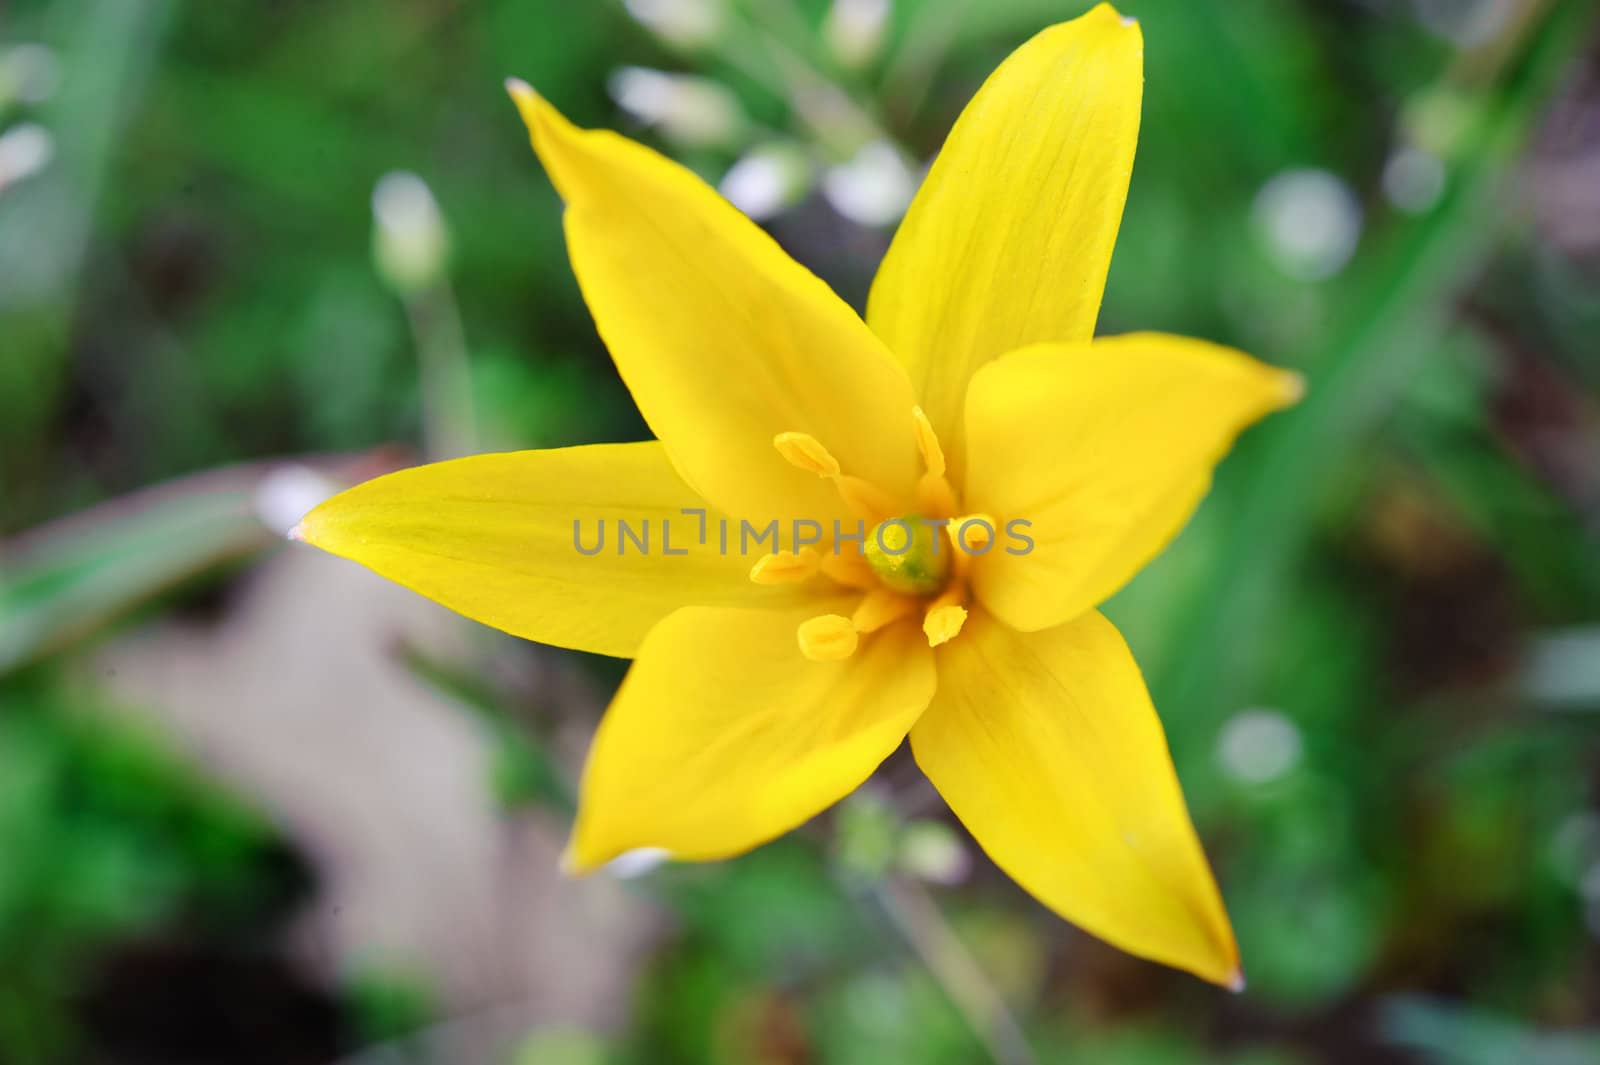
column 444, row 372
column 918, row 920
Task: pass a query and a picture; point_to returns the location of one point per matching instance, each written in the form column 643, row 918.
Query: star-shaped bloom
column 769, row 683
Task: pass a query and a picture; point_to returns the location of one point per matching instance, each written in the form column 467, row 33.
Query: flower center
column 909, row 555
column 904, row 565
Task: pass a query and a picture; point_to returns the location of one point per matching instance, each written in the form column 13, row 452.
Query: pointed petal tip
column 548, row 128
column 297, row 534
column 1107, row 10
column 544, row 123
column 1236, row 982
column 1294, row 387
column 530, row 105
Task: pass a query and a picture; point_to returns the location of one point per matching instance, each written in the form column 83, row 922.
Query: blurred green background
column 258, row 806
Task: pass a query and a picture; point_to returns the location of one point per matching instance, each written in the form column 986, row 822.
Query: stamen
column 935, row 496
column 850, row 570
column 869, row 502
column 974, row 537
column 785, row 568
column 881, row 607
column 945, row 615
column 969, row 540
column 928, row 443
column 828, row 638
column 943, row 623
column 806, row 452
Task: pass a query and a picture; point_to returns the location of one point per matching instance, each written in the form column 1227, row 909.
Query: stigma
column 909, row 555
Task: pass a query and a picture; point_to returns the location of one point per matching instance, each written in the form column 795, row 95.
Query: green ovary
column 908, row 555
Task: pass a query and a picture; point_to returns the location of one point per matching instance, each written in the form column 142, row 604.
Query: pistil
column 908, row 555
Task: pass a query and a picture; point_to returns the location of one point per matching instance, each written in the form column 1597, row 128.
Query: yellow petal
column 492, row 537
column 724, row 341
column 1047, row 748
column 1010, row 237
column 723, row 736
column 1106, row 449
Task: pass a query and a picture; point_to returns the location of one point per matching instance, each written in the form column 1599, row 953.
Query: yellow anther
column 972, row 533
column 881, row 607
column 867, row 500
column 849, row 569
column 928, row 443
column 785, row 568
column 943, row 619
column 935, row 497
column 806, row 452
column 968, row 535
column 828, row 638
column 943, row 623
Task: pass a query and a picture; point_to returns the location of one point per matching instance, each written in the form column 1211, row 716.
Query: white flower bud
column 25, row 150
column 686, row 24
column 690, row 111
column 29, row 73
column 768, row 179
column 930, row 851
column 1258, row 746
column 1413, row 180
column 1311, row 222
column 1466, row 23
column 409, row 241
column 855, row 30
column 874, row 188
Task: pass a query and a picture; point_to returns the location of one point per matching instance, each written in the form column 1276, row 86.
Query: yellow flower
column 766, row 688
